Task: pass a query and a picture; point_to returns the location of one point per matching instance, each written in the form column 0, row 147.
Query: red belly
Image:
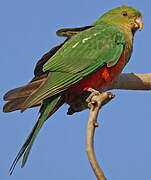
column 97, row 80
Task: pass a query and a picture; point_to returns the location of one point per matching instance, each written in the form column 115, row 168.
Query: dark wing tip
column 5, row 97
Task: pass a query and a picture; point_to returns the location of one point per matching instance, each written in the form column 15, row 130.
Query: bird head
column 127, row 18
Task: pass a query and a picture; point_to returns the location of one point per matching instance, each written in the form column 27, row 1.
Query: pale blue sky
column 122, row 142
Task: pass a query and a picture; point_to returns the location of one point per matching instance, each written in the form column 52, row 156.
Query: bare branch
column 92, row 123
column 131, row 81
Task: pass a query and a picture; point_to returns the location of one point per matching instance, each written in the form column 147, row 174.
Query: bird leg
column 80, row 102
column 91, row 102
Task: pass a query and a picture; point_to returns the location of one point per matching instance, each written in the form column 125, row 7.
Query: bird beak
column 138, row 23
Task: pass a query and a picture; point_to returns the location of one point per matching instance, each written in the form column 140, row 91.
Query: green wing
column 83, row 54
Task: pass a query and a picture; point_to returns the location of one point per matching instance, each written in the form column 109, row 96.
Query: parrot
column 91, row 57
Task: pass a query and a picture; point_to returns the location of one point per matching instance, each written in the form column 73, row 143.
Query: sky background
column 123, row 139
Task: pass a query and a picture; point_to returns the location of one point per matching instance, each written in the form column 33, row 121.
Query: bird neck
column 128, row 40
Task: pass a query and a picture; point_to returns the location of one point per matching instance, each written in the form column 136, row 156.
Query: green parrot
column 90, row 57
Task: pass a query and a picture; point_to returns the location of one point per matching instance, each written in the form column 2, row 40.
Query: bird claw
column 91, row 103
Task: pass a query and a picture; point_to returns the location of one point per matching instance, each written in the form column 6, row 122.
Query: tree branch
column 92, row 123
column 131, row 81
column 128, row 81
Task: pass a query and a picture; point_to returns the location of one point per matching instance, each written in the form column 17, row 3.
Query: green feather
column 99, row 43
column 47, row 106
column 85, row 50
column 83, row 54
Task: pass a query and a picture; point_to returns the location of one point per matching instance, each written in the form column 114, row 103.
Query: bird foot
column 89, row 100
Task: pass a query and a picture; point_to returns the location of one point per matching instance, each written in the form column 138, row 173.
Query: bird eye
column 124, row 13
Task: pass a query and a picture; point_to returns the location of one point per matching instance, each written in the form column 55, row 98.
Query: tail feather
column 23, row 148
column 16, row 104
column 16, row 97
column 23, row 91
column 49, row 106
column 13, row 104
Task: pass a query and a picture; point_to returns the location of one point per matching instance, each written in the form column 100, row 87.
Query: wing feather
column 80, row 56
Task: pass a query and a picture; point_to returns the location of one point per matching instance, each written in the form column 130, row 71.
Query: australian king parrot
column 90, row 57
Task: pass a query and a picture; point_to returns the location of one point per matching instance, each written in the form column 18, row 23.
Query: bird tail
column 16, row 97
column 48, row 107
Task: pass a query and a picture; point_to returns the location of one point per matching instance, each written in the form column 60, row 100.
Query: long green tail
column 48, row 107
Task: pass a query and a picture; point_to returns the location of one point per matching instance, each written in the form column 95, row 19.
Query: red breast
column 99, row 79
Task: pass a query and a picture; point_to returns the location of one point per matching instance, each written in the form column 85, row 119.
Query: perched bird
column 90, row 57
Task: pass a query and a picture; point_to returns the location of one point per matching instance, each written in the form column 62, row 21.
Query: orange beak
column 139, row 23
